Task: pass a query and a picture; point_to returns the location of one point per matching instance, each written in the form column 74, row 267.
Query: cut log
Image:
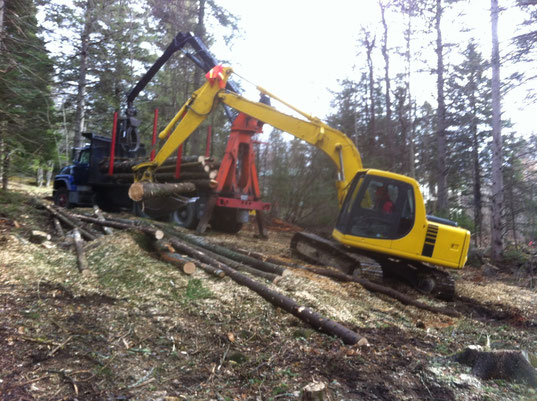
column 302, row 312
column 238, row 257
column 141, row 191
column 58, row 227
column 499, row 364
column 78, row 242
column 38, row 237
column 69, row 221
column 99, row 214
column 153, row 232
column 187, row 267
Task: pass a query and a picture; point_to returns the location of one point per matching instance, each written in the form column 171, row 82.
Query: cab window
column 379, row 208
column 84, row 157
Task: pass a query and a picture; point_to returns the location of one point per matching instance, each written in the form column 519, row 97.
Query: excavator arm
column 334, row 143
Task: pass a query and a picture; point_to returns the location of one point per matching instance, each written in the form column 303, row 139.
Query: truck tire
column 61, row 198
column 186, row 216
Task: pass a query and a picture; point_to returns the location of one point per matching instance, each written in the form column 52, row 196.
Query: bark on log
column 99, row 214
column 82, row 263
column 186, row 266
column 237, row 265
column 374, row 287
column 155, row 233
column 238, row 257
column 58, row 227
column 127, row 165
column 289, row 305
column 70, row 222
column 142, row 191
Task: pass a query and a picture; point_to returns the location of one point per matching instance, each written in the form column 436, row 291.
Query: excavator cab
column 377, row 207
column 384, row 214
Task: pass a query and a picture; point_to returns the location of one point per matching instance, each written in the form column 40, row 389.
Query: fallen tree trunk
column 69, row 222
column 82, row 263
column 142, row 191
column 374, row 287
column 187, row 267
column 238, row 257
column 99, row 214
column 155, row 233
column 289, row 305
column 58, row 227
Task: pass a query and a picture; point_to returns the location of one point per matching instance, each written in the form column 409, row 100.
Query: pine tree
column 26, row 107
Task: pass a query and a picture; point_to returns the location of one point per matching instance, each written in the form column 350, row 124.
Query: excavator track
column 426, row 279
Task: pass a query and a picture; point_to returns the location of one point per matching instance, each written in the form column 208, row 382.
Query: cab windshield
column 377, row 207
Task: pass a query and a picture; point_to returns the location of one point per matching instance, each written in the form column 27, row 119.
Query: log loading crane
column 401, row 238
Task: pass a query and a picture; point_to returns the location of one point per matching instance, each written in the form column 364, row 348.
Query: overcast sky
column 298, row 49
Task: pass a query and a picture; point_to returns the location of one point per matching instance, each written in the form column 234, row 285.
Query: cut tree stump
column 314, row 392
column 499, row 364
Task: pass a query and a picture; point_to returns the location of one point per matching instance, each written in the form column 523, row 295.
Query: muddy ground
column 135, row 328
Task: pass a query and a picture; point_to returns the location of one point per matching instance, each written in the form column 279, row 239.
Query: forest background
column 65, row 67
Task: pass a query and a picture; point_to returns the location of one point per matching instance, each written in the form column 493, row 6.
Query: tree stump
column 500, row 364
column 314, row 392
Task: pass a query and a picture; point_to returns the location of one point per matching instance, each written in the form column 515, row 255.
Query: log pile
column 188, row 252
column 196, row 169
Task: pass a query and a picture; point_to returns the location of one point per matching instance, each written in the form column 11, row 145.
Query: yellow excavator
column 382, row 214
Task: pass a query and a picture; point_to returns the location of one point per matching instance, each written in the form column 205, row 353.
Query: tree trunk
column 390, row 139
column 370, row 45
column 441, row 145
column 497, row 156
column 82, row 72
column 477, row 201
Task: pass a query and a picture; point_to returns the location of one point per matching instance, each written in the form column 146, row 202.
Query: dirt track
column 136, row 328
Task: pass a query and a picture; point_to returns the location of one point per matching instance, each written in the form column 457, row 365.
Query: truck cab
column 85, row 182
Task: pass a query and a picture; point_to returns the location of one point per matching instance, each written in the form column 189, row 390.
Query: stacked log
column 193, row 168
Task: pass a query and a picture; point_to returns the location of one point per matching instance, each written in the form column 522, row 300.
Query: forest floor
column 136, row 328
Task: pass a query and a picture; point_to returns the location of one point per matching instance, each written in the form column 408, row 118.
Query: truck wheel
column 185, row 216
column 61, row 198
